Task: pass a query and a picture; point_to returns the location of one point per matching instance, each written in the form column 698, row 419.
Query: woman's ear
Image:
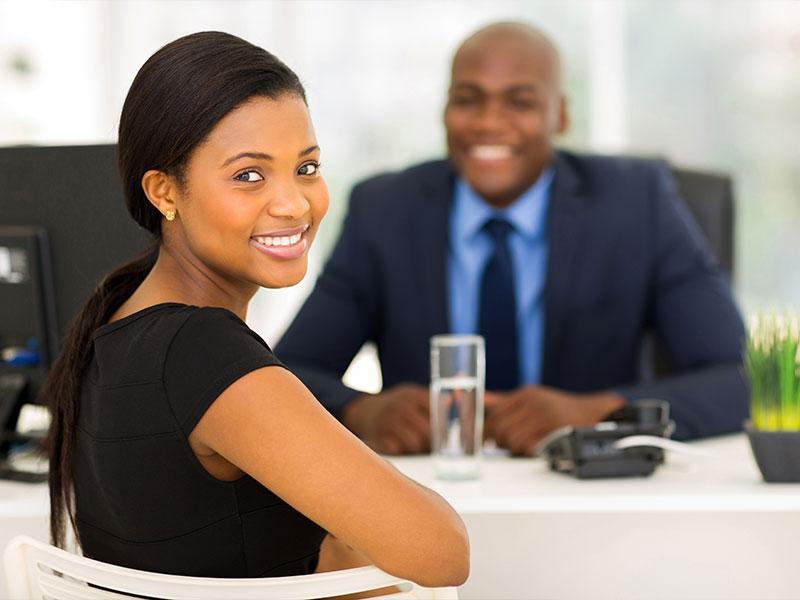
column 161, row 190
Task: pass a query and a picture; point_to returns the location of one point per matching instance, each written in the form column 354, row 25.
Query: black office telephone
column 593, row 452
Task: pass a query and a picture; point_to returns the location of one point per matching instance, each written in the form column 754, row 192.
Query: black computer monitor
column 28, row 333
column 28, row 338
column 61, row 210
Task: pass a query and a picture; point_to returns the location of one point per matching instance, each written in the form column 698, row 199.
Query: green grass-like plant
column 773, row 364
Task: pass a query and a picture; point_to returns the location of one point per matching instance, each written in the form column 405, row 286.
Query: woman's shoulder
column 212, row 349
column 171, row 331
column 217, row 325
column 158, row 314
column 174, row 317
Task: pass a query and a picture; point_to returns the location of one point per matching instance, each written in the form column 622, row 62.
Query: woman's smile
column 286, row 244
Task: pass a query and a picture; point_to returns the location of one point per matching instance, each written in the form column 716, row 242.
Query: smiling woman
column 249, row 203
column 179, row 442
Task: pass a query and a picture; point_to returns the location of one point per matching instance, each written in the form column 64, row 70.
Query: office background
column 710, row 84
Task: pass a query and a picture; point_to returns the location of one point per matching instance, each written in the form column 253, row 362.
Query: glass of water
column 457, row 383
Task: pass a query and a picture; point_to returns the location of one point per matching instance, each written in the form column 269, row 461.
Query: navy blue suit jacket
column 624, row 258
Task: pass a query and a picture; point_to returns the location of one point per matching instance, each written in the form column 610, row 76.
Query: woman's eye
column 249, row 176
column 311, row 168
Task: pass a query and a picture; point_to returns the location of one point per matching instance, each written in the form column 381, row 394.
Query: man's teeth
column 490, row 152
column 285, row 240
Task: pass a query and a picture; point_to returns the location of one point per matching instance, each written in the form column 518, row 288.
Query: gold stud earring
column 170, row 214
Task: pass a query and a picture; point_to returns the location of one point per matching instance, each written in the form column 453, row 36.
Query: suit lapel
column 430, row 230
column 566, row 230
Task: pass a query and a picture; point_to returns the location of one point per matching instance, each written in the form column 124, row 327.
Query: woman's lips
column 285, row 244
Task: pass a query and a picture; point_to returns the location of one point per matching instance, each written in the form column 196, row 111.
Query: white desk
column 702, row 528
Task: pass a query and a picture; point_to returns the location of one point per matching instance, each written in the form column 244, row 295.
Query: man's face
column 503, row 109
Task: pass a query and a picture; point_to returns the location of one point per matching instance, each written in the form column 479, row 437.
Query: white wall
column 690, row 80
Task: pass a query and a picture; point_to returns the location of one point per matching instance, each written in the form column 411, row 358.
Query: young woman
column 179, row 443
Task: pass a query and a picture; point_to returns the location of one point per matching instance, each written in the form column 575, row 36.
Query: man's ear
column 161, row 190
column 563, row 122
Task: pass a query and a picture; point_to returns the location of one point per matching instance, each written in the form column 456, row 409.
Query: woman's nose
column 289, row 202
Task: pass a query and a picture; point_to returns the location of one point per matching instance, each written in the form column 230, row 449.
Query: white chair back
column 35, row 570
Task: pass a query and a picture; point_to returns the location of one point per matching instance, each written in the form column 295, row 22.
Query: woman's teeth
column 286, row 240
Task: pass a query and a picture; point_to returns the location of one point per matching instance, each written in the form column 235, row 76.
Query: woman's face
column 253, row 195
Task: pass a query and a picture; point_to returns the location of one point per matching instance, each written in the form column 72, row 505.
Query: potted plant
column 773, row 364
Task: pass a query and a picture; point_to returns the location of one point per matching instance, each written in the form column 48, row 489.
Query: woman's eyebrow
column 259, row 155
column 263, row 155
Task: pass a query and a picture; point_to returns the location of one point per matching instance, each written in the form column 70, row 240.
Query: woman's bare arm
column 270, row 426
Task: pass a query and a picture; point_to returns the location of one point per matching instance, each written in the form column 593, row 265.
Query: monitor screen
column 28, row 338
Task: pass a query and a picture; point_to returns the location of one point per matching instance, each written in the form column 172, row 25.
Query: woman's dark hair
column 174, row 102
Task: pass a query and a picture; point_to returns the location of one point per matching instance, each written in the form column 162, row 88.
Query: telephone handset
column 591, row 452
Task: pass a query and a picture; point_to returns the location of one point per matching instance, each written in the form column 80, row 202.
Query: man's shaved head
column 511, row 34
column 504, row 107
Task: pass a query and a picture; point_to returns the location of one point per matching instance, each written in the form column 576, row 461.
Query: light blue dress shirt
column 470, row 249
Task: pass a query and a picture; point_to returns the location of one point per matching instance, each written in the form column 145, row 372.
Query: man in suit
column 562, row 261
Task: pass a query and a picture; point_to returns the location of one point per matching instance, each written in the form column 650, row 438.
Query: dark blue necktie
column 497, row 319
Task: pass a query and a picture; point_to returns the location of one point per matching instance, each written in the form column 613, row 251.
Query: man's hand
column 396, row 421
column 518, row 420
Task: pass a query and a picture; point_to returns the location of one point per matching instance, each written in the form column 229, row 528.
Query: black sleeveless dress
column 143, row 500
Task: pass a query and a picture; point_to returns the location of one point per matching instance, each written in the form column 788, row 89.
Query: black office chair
column 709, row 197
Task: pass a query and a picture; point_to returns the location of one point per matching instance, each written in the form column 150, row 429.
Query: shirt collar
column 526, row 213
